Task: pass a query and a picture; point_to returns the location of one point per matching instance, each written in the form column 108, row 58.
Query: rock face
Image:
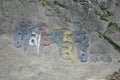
column 15, row 65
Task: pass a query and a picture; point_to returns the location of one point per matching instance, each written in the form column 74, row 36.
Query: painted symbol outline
column 66, row 37
column 45, row 33
column 26, row 37
column 57, row 37
column 24, row 28
column 45, row 42
column 35, row 40
column 82, row 41
column 68, row 55
column 106, row 58
column 18, row 37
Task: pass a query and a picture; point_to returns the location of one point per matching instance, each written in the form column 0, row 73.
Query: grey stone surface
column 15, row 65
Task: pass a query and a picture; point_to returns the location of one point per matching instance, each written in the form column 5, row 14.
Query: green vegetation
column 43, row 2
column 104, row 15
column 106, row 37
column 112, row 26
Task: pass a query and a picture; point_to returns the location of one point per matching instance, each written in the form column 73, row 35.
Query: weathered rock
column 15, row 65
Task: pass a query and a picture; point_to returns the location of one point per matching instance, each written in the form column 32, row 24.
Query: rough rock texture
column 15, row 65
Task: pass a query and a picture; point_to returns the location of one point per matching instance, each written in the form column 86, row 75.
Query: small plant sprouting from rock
column 106, row 37
column 104, row 15
column 43, row 2
column 113, row 25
